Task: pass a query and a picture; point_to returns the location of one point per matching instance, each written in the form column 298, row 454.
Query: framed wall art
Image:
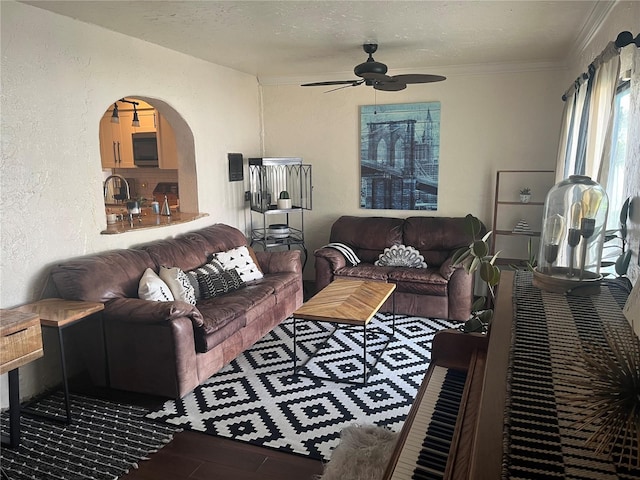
column 399, row 156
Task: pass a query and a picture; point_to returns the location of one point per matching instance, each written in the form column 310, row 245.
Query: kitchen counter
column 149, row 220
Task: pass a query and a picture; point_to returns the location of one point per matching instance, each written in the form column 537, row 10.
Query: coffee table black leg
column 65, row 381
column 364, row 356
column 27, row 410
column 295, row 353
column 13, row 440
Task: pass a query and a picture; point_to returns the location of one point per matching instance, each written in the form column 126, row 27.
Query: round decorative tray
column 559, row 281
column 278, row 230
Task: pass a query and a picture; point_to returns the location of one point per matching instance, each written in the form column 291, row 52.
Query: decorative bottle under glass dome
column 573, row 228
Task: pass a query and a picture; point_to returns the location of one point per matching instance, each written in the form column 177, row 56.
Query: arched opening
column 126, row 151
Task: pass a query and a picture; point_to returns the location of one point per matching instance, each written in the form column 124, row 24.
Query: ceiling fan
column 373, row 73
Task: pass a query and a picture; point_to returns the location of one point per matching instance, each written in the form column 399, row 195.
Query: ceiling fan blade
column 418, row 78
column 378, row 77
column 344, row 86
column 389, row 86
column 335, row 82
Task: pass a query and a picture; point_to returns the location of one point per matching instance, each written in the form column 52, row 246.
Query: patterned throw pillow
column 152, row 287
column 401, row 256
column 241, row 260
column 179, row 284
column 216, row 284
column 211, row 267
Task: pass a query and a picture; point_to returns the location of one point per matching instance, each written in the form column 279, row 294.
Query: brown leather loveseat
column 168, row 348
column 439, row 291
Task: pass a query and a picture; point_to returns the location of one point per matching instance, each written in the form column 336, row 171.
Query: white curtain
column 570, row 130
column 588, row 119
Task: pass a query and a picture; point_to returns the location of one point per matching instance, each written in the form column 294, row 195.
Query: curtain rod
column 622, row 40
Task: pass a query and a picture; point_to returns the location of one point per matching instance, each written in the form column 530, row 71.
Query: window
column 615, row 180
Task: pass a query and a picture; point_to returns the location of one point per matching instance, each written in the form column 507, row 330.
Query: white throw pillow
column 179, row 284
column 239, row 259
column 152, row 287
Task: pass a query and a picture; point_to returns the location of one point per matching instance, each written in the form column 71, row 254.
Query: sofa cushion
column 365, row 271
column 179, row 284
column 423, row 281
column 102, row 277
column 185, row 252
column 368, row 236
column 216, row 284
column 241, row 260
column 225, row 315
column 218, row 238
column 436, row 237
column 212, row 266
column 154, row 288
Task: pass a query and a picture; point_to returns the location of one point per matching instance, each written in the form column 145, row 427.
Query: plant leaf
column 473, row 325
column 624, row 211
column 478, row 304
column 475, row 264
column 460, row 256
column 622, row 263
column 480, row 249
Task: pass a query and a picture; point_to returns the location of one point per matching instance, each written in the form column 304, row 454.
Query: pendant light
column 136, row 122
column 114, row 116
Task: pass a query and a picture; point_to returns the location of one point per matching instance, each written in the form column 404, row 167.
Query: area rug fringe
column 256, row 399
column 104, row 441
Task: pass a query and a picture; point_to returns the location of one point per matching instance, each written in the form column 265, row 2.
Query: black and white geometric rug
column 256, row 399
column 104, row 441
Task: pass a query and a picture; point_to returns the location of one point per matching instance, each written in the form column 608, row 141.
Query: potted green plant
column 284, row 201
column 525, row 195
column 621, row 264
column 474, row 258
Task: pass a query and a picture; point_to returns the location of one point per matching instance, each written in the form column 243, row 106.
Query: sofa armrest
column 447, row 268
column 460, row 290
column 136, row 310
column 287, row 261
column 328, row 261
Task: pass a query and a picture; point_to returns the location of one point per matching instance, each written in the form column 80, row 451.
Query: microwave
column 145, row 149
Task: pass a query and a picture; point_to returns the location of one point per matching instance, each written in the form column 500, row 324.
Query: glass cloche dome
column 573, row 228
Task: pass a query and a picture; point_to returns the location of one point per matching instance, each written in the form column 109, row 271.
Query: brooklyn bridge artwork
column 399, row 156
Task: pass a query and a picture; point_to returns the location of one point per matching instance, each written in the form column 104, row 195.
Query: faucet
column 118, row 186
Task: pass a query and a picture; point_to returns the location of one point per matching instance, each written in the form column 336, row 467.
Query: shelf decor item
column 284, row 201
column 573, row 228
column 525, row 195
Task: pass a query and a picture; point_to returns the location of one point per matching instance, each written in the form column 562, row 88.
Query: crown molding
column 447, row 71
column 599, row 14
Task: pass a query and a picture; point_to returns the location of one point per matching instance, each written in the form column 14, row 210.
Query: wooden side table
column 20, row 343
column 59, row 314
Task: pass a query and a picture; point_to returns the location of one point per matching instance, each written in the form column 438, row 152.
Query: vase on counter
column 166, row 211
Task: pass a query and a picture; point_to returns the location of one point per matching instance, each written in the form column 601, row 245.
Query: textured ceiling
column 275, row 40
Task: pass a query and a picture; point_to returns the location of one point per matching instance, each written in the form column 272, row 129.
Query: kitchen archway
column 179, row 169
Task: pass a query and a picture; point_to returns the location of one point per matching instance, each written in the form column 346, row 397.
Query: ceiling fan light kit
column 373, row 74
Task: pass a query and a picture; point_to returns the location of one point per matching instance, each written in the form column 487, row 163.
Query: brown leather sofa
column 169, row 348
column 438, row 291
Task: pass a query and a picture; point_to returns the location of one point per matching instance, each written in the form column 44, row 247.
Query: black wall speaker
column 236, row 172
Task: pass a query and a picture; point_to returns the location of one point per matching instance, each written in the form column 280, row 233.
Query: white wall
column 58, row 78
column 489, row 121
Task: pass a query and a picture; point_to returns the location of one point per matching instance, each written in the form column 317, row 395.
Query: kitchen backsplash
column 146, row 179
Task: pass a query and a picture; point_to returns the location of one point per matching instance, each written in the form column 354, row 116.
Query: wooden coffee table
column 346, row 302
